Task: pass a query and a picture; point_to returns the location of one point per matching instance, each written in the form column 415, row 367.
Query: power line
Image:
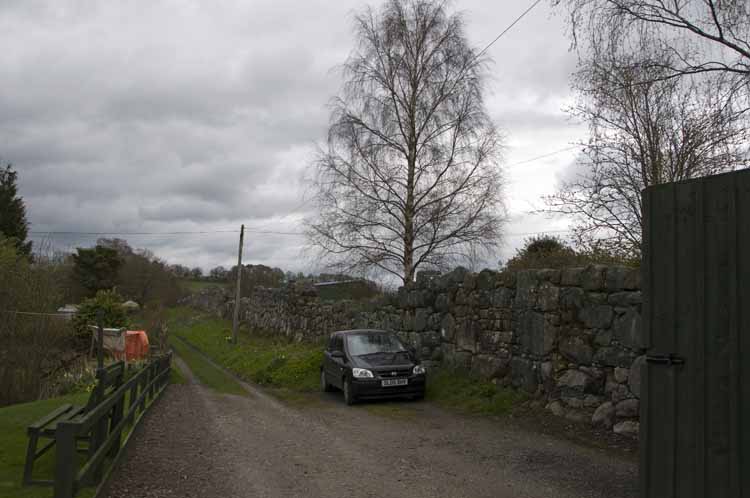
column 549, row 154
column 34, row 313
column 42, row 232
column 537, row 2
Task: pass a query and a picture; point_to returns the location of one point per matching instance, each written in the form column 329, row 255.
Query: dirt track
column 198, row 443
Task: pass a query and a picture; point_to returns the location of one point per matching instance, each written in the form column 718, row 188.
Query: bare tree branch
column 410, row 176
column 657, row 131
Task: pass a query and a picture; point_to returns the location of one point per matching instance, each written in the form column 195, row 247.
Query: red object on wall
column 136, row 345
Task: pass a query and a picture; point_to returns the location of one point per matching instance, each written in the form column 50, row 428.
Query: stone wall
column 569, row 337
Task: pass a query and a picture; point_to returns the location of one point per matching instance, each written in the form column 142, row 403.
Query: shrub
column 105, row 306
column 546, row 251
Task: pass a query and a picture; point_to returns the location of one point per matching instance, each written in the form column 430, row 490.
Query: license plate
column 394, row 382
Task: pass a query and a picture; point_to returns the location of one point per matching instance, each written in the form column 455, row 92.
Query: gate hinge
column 665, row 359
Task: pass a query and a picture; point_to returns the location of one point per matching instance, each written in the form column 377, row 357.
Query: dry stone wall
column 569, row 337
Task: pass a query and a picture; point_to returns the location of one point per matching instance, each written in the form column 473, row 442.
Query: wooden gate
column 695, row 411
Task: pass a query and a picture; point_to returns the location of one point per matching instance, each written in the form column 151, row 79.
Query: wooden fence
column 103, row 426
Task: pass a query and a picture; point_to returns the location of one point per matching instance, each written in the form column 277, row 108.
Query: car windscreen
column 365, row 344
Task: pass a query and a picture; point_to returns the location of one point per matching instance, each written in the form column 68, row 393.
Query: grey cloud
column 136, row 116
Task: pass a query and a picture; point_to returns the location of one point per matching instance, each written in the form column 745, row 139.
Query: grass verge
column 293, row 368
column 458, row 390
column 175, row 376
column 13, row 420
column 269, row 361
column 208, row 374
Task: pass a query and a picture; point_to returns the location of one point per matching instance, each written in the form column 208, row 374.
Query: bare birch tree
column 697, row 36
column 410, row 176
column 644, row 130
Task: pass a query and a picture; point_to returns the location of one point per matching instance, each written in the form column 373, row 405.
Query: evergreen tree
column 13, row 224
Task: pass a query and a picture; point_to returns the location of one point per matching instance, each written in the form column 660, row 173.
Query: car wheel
column 349, row 398
column 324, row 385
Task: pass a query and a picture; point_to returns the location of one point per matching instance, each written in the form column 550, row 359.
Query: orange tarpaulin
column 136, row 345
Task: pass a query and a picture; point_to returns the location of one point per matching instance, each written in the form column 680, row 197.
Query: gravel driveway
column 199, row 443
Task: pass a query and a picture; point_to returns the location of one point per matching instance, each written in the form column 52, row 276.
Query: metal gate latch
column 663, row 359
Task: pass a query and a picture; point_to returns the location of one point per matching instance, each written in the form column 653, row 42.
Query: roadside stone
column 572, row 401
column 603, row 337
column 420, row 319
column 621, row 374
column 571, row 298
column 575, row 379
column 593, row 277
column 615, row 278
column 448, row 327
column 577, row 350
column 557, row 408
column 416, row 298
column 596, row 316
column 604, row 416
column 470, row 281
column 549, row 275
column 490, row 367
column 502, row 298
column 628, row 428
column 526, row 289
column 620, row 393
column 592, row 401
column 625, row 299
column 576, row 416
column 548, row 297
column 466, row 335
column 613, row 357
column 442, row 302
column 538, row 336
column 627, row 329
column 458, row 275
column 634, row 377
column 633, row 279
column 408, row 320
column 486, row 279
column 546, row 370
column 506, row 279
column 523, row 375
column 462, row 359
column 628, row 408
column 571, row 277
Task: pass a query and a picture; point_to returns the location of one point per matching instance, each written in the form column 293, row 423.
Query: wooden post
column 236, row 317
column 100, row 337
column 65, row 460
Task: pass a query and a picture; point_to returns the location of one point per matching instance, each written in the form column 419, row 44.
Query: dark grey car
column 366, row 363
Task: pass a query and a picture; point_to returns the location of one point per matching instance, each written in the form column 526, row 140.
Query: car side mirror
column 338, row 354
column 412, row 351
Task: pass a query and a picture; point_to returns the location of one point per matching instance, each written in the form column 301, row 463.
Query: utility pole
column 236, row 318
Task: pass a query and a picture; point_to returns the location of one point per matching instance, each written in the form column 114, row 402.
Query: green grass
column 13, row 421
column 459, row 390
column 208, row 374
column 294, row 368
column 269, row 361
column 175, row 376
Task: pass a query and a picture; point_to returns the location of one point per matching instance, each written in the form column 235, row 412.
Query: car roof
column 361, row 331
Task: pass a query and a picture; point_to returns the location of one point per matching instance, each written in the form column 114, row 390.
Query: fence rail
column 103, row 426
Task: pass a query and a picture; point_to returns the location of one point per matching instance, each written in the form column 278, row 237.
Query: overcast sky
column 169, row 116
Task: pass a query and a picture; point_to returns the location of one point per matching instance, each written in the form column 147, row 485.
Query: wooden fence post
column 65, row 460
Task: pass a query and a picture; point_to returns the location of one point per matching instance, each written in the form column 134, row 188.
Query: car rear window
column 362, row 344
